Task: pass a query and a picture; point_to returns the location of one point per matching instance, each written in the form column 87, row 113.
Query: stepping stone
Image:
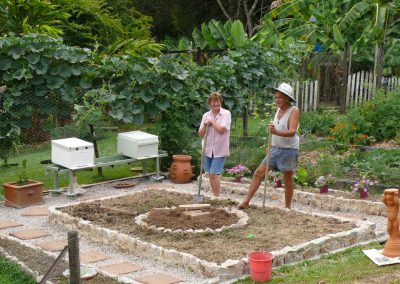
column 30, row 234
column 92, row 256
column 56, row 245
column 9, row 224
column 121, row 268
column 158, row 278
column 38, row 211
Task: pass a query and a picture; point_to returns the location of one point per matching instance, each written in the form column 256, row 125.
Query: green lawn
column 11, row 273
column 343, row 267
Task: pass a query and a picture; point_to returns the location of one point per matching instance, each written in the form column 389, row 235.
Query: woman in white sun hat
column 285, row 145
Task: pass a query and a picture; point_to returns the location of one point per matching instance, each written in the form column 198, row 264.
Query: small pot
column 277, row 183
column 363, row 194
column 238, row 179
column 324, row 189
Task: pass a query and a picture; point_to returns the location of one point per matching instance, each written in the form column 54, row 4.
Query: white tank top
column 282, row 124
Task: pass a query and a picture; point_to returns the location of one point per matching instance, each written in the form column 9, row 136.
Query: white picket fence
column 360, row 88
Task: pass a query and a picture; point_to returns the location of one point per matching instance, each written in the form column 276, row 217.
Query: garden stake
column 199, row 198
column 266, row 167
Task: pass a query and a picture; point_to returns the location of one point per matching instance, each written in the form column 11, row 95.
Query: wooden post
column 74, row 261
column 96, row 149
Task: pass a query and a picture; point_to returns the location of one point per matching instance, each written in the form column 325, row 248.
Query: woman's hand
column 272, row 129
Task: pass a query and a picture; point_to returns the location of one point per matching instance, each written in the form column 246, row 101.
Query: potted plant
column 362, row 186
column 24, row 192
column 238, row 172
column 275, row 178
column 323, row 183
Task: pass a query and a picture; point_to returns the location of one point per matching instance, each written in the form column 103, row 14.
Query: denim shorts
column 283, row 159
column 214, row 165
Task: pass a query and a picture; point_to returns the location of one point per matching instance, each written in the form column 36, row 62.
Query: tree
column 248, row 11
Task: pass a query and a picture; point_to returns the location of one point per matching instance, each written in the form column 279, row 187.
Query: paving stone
column 38, row 211
column 30, row 234
column 121, row 268
column 158, row 278
column 9, row 224
column 92, row 256
column 56, row 245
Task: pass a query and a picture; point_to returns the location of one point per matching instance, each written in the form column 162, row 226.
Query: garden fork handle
column 203, row 151
column 266, row 167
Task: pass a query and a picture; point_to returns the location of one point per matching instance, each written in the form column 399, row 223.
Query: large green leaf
column 54, row 82
column 33, row 58
column 238, row 34
column 205, row 30
column 146, row 96
column 5, row 63
column 176, row 85
column 337, row 36
column 379, row 21
column 198, row 38
column 353, row 14
column 162, row 104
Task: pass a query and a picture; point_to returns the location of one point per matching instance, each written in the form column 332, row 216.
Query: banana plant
column 214, row 34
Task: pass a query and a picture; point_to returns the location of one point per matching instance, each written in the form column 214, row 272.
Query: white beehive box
column 72, row 153
column 137, row 144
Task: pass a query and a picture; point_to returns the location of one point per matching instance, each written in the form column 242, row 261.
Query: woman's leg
column 215, row 182
column 288, row 180
column 258, row 176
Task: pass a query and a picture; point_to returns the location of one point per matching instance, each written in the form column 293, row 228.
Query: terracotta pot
column 181, row 171
column 23, row 195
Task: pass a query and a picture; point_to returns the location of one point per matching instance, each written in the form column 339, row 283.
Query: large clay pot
column 181, row 171
column 20, row 196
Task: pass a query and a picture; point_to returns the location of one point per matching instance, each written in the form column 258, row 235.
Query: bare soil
column 176, row 219
column 269, row 229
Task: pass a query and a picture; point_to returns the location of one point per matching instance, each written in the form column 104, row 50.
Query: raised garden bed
column 292, row 236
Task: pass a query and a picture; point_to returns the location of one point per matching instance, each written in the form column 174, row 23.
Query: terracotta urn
column 390, row 198
column 181, row 171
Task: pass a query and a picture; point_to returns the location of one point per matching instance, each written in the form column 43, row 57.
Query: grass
column 12, row 273
column 342, row 267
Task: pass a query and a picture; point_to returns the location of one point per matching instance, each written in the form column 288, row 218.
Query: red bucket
column 260, row 264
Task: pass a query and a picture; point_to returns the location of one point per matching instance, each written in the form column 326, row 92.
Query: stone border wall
column 324, row 201
column 363, row 232
column 243, row 219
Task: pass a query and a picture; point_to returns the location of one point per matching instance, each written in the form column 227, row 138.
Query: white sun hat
column 287, row 90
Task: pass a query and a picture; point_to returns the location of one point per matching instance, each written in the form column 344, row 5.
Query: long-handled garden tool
column 266, row 169
column 199, row 198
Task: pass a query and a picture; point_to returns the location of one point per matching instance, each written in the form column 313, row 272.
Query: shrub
column 378, row 118
column 318, row 123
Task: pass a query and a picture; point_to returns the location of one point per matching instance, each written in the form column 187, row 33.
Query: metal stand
column 75, row 189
